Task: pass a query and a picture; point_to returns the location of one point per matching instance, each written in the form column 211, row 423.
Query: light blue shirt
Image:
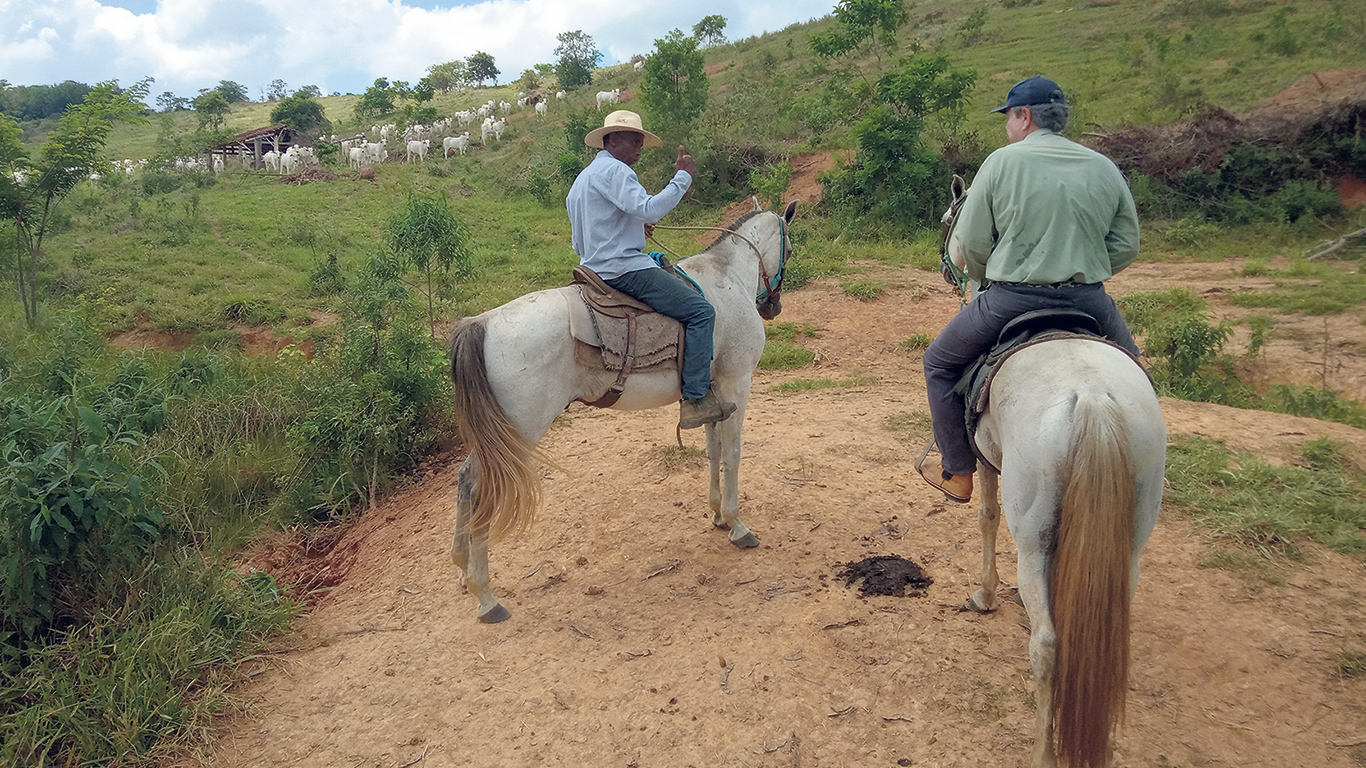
column 608, row 209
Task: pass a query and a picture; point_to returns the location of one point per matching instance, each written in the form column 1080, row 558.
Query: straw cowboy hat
column 621, row 120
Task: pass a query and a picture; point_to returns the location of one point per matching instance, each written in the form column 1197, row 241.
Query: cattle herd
column 372, row 146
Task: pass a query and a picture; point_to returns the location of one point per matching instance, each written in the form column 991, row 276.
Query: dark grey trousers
column 973, row 331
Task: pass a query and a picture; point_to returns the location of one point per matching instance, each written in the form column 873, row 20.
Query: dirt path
column 641, row 637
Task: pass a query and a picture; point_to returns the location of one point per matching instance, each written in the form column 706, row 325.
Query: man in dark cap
column 1045, row 222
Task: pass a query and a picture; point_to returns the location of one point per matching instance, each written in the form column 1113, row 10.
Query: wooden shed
column 249, row 146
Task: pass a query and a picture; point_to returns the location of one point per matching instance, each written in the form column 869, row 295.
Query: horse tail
column 1089, row 587
column 508, row 483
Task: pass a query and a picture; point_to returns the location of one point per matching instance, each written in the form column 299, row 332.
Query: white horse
column 514, row 372
column 1075, row 428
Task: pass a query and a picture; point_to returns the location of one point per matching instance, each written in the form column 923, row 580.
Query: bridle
column 772, row 286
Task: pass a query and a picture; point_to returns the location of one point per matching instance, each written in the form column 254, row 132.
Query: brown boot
column 707, row 409
column 955, row 487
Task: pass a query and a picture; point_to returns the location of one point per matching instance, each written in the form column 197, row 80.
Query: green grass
column 863, row 290
column 916, row 342
column 806, row 385
column 139, row 681
column 1243, row 499
column 672, row 457
column 788, row 331
column 781, row 356
column 1335, row 292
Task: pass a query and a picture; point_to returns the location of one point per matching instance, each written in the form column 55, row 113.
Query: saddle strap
column 613, row 393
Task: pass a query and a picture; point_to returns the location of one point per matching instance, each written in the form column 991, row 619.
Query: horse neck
column 732, row 258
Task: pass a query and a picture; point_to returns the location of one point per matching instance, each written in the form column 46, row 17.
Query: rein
column 771, row 284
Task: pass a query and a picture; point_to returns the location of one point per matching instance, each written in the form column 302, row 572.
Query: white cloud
column 339, row 46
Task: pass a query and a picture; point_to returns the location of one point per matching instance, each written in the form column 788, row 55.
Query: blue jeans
column 973, row 331
column 669, row 296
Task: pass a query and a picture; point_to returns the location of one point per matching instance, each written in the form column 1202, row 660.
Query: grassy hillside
column 184, row 254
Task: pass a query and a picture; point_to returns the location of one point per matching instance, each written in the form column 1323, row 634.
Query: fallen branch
column 1332, row 245
column 1351, row 742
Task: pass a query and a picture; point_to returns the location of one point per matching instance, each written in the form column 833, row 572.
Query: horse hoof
column 975, row 605
column 746, row 541
column 497, row 614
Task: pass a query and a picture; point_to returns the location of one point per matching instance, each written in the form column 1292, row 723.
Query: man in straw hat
column 612, row 214
column 1045, row 223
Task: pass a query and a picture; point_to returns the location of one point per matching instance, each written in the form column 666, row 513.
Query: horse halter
column 772, row 286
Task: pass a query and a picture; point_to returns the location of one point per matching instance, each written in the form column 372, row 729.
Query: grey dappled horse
column 514, row 372
column 1078, row 435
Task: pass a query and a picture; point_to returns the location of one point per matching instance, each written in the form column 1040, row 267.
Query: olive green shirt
column 1047, row 210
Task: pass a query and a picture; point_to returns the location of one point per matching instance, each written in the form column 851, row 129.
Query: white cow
column 540, row 108
column 355, row 158
column 461, row 143
column 609, row 97
column 498, row 126
column 418, row 148
column 217, row 163
column 640, row 65
column 559, row 94
column 272, row 160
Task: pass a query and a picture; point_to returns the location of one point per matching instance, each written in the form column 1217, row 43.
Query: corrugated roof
column 260, row 132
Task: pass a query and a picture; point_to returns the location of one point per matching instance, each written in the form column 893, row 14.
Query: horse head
column 952, row 263
column 770, row 299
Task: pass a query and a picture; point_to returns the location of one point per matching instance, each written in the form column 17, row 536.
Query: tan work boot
column 955, row 487
column 707, row 409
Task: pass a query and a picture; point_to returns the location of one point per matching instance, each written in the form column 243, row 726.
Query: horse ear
column 755, row 198
column 790, row 212
column 957, row 187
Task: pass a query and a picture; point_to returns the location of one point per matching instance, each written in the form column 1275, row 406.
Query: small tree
column 674, row 88
column 169, row 102
column 212, row 109
column 426, row 237
column 449, row 76
column 276, row 90
column 232, row 92
column 865, row 26
column 70, row 153
column 377, row 100
column 312, row 91
column 481, row 68
column 301, row 113
column 710, row 30
column 578, row 57
column 895, row 175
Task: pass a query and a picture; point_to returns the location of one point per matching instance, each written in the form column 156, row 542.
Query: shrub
column 378, row 398
column 770, row 183
column 895, row 177
column 1188, row 359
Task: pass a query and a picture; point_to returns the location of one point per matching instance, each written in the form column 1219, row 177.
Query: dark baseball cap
column 1036, row 90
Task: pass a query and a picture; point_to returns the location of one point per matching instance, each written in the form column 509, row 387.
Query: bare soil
column 641, row 637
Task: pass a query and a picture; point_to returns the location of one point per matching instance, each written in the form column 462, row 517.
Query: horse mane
column 732, row 229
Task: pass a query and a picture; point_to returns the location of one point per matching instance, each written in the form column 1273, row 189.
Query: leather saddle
column 615, row 332
column 1024, row 331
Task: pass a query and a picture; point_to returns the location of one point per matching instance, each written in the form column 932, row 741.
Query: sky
column 340, row 46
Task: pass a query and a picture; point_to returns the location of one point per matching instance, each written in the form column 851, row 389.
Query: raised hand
column 685, row 162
